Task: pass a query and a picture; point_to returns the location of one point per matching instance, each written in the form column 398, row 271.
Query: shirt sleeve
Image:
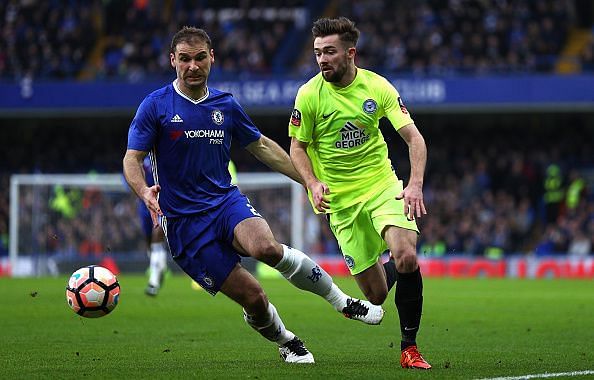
column 244, row 129
column 302, row 118
column 143, row 129
column 394, row 108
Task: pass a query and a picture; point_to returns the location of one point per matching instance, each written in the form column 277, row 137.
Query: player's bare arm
column 134, row 174
column 417, row 151
column 303, row 165
column 275, row 157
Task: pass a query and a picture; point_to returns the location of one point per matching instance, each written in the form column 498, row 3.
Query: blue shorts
column 145, row 219
column 201, row 244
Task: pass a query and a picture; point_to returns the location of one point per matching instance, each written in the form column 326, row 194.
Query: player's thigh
column 206, row 259
column 360, row 244
column 388, row 211
column 245, row 229
column 253, row 236
column 244, row 289
column 401, row 241
column 399, row 232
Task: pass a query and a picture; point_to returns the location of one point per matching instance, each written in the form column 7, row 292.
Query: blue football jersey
column 189, row 143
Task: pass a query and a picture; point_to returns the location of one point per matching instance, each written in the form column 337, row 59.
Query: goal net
column 59, row 222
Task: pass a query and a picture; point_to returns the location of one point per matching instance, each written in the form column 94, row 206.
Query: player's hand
column 149, row 196
column 318, row 191
column 413, row 201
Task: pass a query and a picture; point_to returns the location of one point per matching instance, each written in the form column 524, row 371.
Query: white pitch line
column 542, row 375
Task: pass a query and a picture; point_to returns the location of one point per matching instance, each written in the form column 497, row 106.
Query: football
column 92, row 291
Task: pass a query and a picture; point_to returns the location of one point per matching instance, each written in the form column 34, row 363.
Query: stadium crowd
column 490, row 194
column 46, row 39
column 469, row 37
column 486, row 193
column 129, row 39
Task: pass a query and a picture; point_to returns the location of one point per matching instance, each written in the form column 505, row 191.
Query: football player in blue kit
column 186, row 128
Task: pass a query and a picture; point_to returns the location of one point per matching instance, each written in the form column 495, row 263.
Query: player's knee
column 268, row 251
column 407, row 261
column 256, row 302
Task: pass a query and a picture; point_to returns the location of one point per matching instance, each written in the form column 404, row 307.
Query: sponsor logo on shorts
column 350, row 262
column 208, row 282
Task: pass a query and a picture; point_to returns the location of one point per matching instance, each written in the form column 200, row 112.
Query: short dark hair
column 188, row 34
column 345, row 28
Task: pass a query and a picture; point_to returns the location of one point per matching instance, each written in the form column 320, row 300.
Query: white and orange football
column 92, row 291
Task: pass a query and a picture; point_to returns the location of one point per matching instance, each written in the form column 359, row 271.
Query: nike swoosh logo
column 325, row 116
column 410, row 328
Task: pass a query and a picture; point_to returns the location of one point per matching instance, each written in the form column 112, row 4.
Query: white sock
column 305, row 274
column 158, row 263
column 337, row 298
column 270, row 326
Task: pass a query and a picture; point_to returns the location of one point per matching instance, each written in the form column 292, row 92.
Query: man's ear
column 351, row 52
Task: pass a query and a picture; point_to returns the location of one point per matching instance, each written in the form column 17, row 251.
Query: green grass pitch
column 475, row 328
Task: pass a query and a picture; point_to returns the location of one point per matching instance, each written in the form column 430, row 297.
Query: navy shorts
column 145, row 219
column 201, row 244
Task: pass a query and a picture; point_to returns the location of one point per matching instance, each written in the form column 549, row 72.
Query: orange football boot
column 412, row 358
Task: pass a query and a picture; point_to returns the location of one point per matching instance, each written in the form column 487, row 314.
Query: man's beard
column 336, row 75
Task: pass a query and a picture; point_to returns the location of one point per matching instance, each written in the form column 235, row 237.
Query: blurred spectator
column 553, row 241
column 431, row 37
column 586, row 56
column 553, row 192
column 575, row 191
column 580, row 244
column 247, row 36
column 46, row 39
column 128, row 39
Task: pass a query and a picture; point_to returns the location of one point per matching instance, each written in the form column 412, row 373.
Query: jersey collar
column 195, row 101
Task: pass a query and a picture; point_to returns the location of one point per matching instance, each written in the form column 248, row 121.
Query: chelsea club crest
column 369, row 106
column 217, row 117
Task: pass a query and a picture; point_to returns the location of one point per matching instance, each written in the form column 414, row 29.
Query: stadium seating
column 129, row 39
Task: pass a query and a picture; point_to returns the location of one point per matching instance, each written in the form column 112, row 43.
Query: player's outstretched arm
column 303, row 165
column 271, row 154
column 134, row 174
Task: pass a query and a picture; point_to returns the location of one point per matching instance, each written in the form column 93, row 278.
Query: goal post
column 53, row 215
